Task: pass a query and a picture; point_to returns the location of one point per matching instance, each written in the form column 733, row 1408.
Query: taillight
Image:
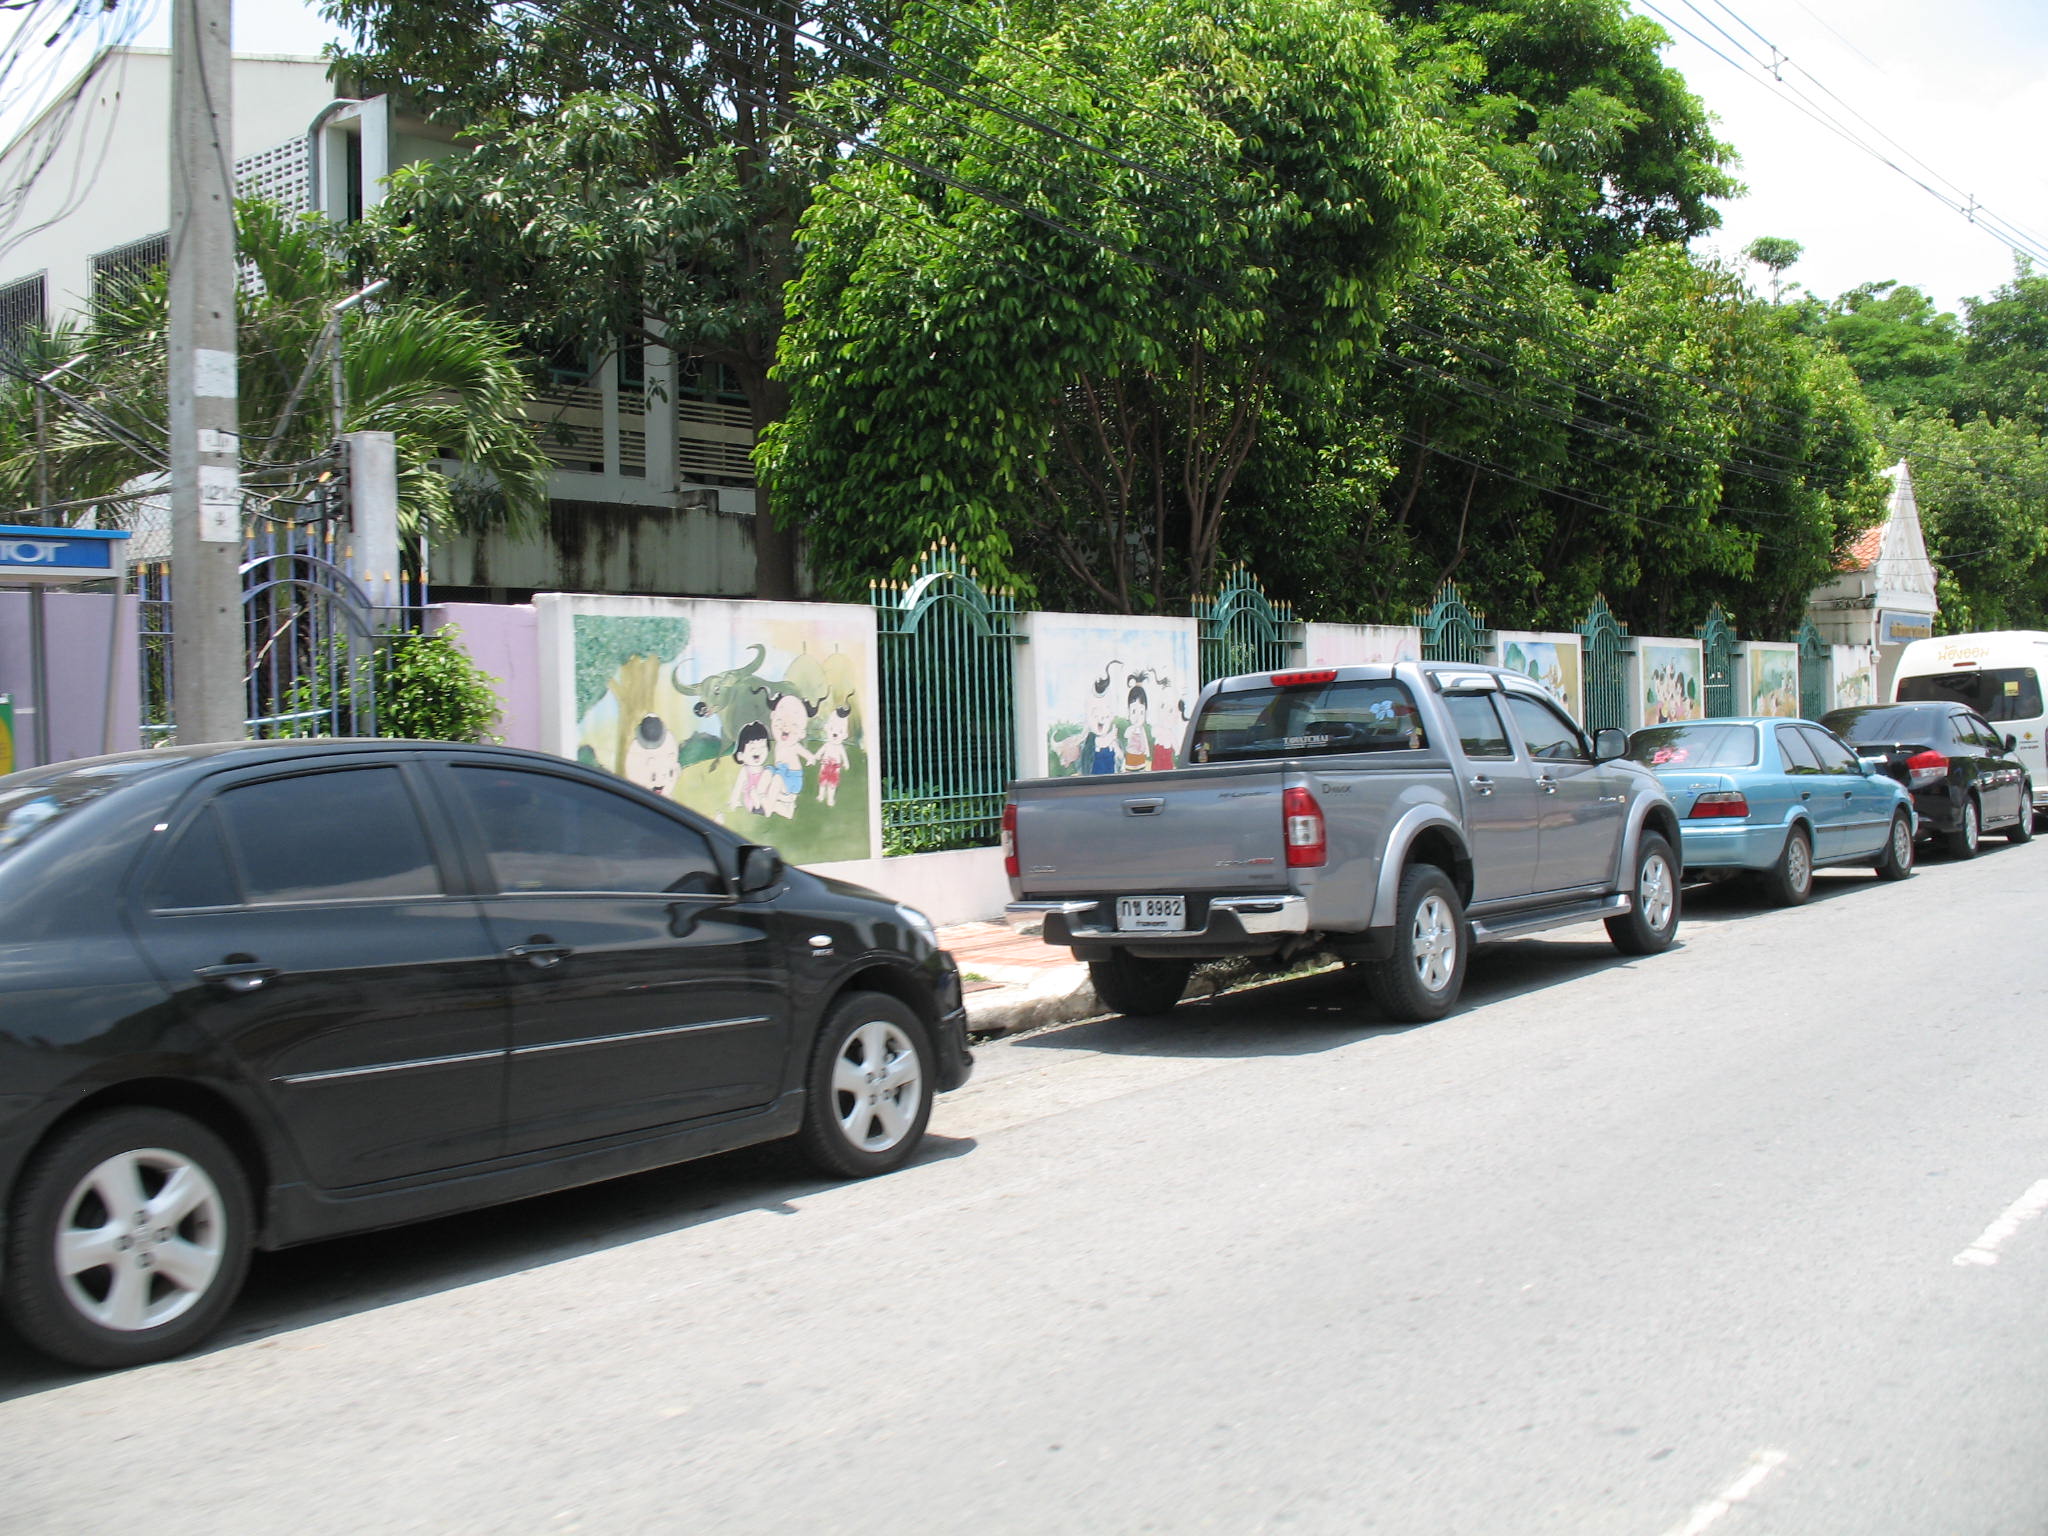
column 1010, row 839
column 1307, row 845
column 1304, row 679
column 1926, row 769
column 1717, row 803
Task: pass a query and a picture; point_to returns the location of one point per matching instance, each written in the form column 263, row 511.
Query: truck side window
column 1480, row 731
column 1546, row 733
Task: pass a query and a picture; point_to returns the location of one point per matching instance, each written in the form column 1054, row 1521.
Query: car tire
column 1421, row 980
column 1789, row 882
column 868, row 1094
column 1138, row 986
column 1651, row 922
column 1964, row 842
column 1897, row 862
column 2022, row 831
column 159, row 1216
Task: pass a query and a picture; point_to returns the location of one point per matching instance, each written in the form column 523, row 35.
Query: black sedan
column 1964, row 775
column 261, row 993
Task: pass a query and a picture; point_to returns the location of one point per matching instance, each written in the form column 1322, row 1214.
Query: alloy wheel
column 877, row 1086
column 1656, row 891
column 141, row 1240
column 1435, row 943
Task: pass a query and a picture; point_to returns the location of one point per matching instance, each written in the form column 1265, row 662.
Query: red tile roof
column 1863, row 553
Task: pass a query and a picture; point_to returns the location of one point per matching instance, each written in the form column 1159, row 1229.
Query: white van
column 1998, row 674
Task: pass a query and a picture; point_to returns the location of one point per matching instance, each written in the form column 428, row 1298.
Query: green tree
column 1982, row 488
column 1904, row 350
column 635, row 173
column 1572, row 104
column 446, row 383
column 2004, row 369
column 1776, row 255
column 1059, row 352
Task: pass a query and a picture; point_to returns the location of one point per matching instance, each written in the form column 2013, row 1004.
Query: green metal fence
column 1816, row 686
column 1242, row 630
column 1453, row 632
column 949, row 734
column 1606, row 668
column 1717, row 646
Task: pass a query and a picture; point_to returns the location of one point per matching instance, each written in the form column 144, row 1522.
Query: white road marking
column 1761, row 1466
column 2028, row 1206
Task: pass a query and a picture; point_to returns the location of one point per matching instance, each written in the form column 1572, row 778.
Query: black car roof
column 260, row 752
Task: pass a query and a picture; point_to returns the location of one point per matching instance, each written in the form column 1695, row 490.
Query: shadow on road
column 301, row 1287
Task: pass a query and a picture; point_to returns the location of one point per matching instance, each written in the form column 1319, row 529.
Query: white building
column 653, row 488
column 1883, row 593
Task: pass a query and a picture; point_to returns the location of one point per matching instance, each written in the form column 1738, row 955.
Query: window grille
column 126, row 265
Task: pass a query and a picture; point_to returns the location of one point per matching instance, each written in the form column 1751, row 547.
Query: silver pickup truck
column 1393, row 815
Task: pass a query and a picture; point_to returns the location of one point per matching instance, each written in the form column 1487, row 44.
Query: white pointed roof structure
column 1883, row 591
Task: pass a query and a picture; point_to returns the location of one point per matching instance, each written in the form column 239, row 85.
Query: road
column 1733, row 1239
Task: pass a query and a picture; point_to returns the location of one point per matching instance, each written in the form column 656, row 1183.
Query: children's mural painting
column 1774, row 680
column 1552, row 660
column 1359, row 645
column 1855, row 675
column 1671, row 682
column 752, row 714
column 1113, row 697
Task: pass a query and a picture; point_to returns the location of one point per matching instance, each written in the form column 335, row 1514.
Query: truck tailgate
column 1190, row 829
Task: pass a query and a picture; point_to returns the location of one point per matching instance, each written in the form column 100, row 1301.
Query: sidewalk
column 1016, row 981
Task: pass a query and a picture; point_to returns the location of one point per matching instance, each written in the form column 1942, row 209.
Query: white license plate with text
column 1152, row 914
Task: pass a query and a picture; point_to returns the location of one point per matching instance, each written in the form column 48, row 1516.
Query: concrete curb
column 1059, row 994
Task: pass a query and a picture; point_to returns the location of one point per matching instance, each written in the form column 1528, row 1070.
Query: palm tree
column 447, row 384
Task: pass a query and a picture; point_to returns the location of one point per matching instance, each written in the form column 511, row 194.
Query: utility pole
column 207, row 645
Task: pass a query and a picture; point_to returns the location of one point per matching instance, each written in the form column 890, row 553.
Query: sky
column 1959, row 85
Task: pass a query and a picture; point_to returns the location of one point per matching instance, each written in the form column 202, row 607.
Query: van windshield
column 1365, row 715
column 1996, row 693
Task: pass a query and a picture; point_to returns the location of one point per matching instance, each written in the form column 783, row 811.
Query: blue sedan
column 1781, row 798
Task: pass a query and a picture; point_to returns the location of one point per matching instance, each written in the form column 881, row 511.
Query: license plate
column 1152, row 914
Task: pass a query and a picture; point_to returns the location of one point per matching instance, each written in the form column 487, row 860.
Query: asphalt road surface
column 1735, row 1239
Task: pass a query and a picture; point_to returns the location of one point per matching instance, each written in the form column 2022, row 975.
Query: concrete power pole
column 207, row 646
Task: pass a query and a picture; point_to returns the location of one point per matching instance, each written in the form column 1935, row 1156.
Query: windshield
column 1368, row 715
column 1878, row 723
column 1694, row 745
column 1996, row 693
column 35, row 799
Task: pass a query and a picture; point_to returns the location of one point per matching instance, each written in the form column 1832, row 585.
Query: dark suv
column 256, row 994
column 1964, row 775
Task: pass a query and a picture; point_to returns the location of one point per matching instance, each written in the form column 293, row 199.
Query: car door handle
column 540, row 952
column 1546, row 783
column 238, row 973
column 1806, row 794
column 1482, row 783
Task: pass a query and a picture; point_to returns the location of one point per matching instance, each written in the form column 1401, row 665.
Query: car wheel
column 1651, row 922
column 1789, row 882
column 2022, row 831
column 1139, row 986
column 128, row 1239
column 869, row 1092
column 1967, row 838
column 1421, row 980
column 1897, row 862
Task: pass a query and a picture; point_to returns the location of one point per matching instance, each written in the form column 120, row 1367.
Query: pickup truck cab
column 1395, row 815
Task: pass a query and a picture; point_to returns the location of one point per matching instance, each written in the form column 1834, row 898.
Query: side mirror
column 760, row 869
column 1609, row 742
column 2011, row 742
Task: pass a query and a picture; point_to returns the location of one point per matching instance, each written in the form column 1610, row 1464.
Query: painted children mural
column 750, row 714
column 1774, row 681
column 1671, row 683
column 1114, row 695
column 1550, row 661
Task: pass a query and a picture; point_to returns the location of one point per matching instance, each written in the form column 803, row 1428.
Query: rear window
column 34, row 800
column 1878, row 723
column 1697, row 744
column 1997, row 693
column 1366, row 715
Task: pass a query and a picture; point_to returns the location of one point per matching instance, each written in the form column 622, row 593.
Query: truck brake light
column 1010, row 838
column 1304, row 679
column 1307, row 843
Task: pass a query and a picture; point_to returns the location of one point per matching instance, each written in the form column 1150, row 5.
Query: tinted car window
column 547, row 833
column 1366, row 715
column 349, row 833
column 1885, row 723
column 34, row 799
column 1480, row 732
column 1832, row 755
column 1796, row 751
column 196, row 872
column 1999, row 693
column 1990, row 735
column 1545, row 732
column 1696, row 744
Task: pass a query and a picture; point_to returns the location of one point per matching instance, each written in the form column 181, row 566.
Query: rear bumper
column 1730, row 845
column 1938, row 810
column 1230, row 924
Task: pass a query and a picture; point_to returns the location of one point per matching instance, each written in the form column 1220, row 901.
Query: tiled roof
column 1863, row 553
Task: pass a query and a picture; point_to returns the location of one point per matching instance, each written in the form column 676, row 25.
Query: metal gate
column 1242, row 630
column 949, row 734
column 1606, row 668
column 1717, row 658
column 1816, row 682
column 1453, row 632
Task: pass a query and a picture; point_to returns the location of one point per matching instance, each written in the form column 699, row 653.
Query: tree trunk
column 775, row 549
